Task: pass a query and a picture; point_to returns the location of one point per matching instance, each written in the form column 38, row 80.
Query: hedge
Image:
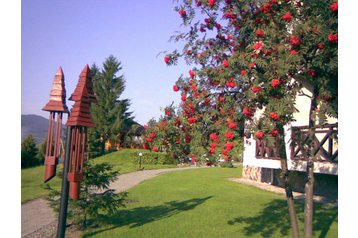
column 152, row 158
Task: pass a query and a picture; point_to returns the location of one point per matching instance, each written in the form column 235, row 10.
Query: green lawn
column 122, row 160
column 32, row 185
column 203, row 203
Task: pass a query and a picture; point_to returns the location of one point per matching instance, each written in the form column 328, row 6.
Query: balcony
column 263, row 151
column 325, row 143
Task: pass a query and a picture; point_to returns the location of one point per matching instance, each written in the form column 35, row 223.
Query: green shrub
column 29, row 153
column 96, row 198
column 226, row 164
column 41, row 154
column 151, row 158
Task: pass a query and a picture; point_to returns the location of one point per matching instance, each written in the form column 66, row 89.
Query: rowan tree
column 168, row 134
column 250, row 61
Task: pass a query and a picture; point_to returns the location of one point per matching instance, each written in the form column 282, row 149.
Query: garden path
column 38, row 219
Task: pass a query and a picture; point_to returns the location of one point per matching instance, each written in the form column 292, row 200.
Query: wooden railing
column 324, row 147
column 263, row 151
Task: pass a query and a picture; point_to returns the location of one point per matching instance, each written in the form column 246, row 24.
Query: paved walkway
column 38, row 219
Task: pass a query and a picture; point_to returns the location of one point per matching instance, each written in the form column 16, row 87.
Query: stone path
column 38, row 219
column 35, row 215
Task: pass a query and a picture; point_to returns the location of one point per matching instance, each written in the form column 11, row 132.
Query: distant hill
column 35, row 125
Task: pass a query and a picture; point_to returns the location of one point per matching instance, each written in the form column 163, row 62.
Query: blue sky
column 72, row 34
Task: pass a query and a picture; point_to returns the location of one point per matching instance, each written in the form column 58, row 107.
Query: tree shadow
column 139, row 216
column 274, row 218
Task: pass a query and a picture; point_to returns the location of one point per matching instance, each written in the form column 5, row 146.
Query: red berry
column 274, row 116
column 260, row 33
column 192, row 119
column 256, row 89
column 259, row 134
column 287, row 17
column 320, row 46
column 275, row 82
column 334, row 7
column 274, row 133
column 247, row 112
column 213, row 137
column 155, row 149
column 311, row 72
column 191, row 73
column 182, row 12
column 232, row 125
column 167, row 59
column 229, row 135
column 211, row 3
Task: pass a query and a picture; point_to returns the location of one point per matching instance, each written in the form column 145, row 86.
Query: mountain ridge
column 35, row 125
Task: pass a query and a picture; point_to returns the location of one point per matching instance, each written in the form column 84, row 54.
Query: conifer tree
column 96, row 197
column 110, row 114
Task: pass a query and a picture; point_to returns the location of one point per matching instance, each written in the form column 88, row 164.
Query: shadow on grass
column 274, row 218
column 139, row 216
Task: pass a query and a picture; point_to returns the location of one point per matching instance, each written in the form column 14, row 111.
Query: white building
column 263, row 164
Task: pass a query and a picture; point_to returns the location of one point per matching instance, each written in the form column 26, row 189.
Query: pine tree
column 124, row 120
column 110, row 114
column 96, row 197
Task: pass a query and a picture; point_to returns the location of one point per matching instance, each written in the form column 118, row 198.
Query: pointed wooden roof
column 85, row 80
column 58, row 94
column 83, row 97
column 80, row 115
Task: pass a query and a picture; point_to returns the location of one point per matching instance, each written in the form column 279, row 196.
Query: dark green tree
column 41, row 154
column 29, row 152
column 110, row 114
column 94, row 145
column 124, row 120
column 96, row 198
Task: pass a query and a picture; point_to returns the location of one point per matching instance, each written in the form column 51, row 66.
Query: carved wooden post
column 79, row 120
column 56, row 106
column 77, row 124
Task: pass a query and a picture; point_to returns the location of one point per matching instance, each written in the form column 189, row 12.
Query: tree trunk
column 309, row 187
column 290, row 202
column 288, row 189
column 309, row 199
column 172, row 155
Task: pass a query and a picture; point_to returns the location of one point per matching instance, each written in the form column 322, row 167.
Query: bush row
column 151, row 158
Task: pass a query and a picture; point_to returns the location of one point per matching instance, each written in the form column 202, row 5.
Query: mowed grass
column 32, row 179
column 32, row 183
column 203, row 203
column 122, row 161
